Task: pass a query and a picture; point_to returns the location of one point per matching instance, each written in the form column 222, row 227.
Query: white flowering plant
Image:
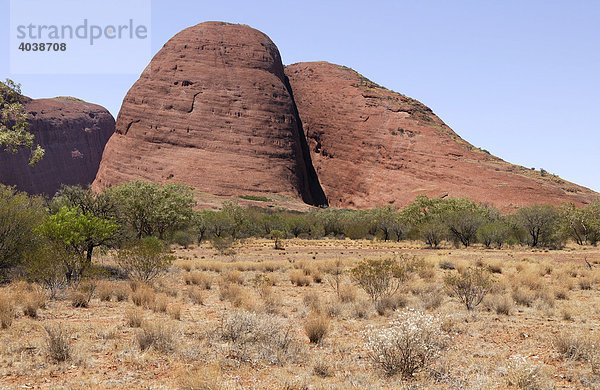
column 410, row 342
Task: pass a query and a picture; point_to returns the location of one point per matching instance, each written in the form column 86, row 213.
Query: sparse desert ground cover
column 245, row 320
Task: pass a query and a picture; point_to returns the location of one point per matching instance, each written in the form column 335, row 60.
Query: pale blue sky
column 518, row 78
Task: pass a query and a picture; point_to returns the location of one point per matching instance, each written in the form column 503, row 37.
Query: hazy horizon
column 519, row 80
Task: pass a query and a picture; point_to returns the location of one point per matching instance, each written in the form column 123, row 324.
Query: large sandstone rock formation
column 72, row 132
column 213, row 110
column 371, row 146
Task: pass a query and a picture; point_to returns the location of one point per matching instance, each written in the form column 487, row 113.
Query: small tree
column 541, row 224
column 463, row 218
column 379, row 278
column 150, row 209
column 433, row 232
column 277, row 236
column 471, row 286
column 145, row 259
column 19, row 216
column 496, row 232
column 81, row 232
column 14, row 126
column 582, row 224
column 222, row 244
column 336, row 274
column 50, row 264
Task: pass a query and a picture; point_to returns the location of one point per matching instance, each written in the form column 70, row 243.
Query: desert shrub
column 471, row 286
column 50, row 264
column 183, row 238
column 407, row 345
column 321, row 368
column 157, row 335
column 446, row 264
column 379, row 278
column 174, row 311
column 312, row 300
column 316, row 328
column 120, row 292
column 82, row 295
column 523, row 296
column 143, row 296
column 277, row 236
column 496, row 232
column 362, row 309
column 433, row 232
column 298, row 278
column 195, row 295
column 233, row 277
column 223, row 245
column 347, row 293
column 573, row 345
column 586, row 283
column 390, row 303
column 526, row 375
column 134, row 317
column 161, row 303
column 105, row 291
column 202, row 377
column 198, row 278
column 501, row 304
column 57, row 343
column 234, row 293
column 432, row 298
column 33, row 301
column 7, row 312
column 259, row 336
column 272, row 302
column 20, row 214
column 145, row 259
column 335, row 275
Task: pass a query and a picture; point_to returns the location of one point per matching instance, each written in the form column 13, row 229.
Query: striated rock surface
column 72, row 132
column 213, row 110
column 371, row 146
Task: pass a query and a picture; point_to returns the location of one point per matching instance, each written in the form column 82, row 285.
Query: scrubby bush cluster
column 434, row 221
column 407, row 345
column 52, row 242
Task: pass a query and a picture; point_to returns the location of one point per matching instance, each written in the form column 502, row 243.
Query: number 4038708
column 35, row 46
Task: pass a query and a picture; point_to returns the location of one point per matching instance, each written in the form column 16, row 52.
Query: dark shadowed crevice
column 313, row 194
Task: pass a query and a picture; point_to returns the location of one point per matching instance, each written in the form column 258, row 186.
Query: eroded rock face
column 213, row 110
column 72, row 132
column 371, row 147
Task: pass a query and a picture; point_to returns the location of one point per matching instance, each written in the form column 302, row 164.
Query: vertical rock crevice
column 314, row 194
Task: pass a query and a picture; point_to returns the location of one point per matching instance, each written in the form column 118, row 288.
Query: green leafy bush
column 145, row 259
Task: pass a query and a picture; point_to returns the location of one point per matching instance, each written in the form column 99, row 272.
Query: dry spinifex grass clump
column 7, row 312
column 299, row 278
column 143, row 295
column 199, row 279
column 316, row 328
column 58, row 343
column 158, row 335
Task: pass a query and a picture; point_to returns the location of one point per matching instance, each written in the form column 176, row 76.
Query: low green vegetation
column 256, row 198
column 53, row 242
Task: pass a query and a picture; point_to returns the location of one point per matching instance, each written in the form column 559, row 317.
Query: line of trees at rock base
column 40, row 237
